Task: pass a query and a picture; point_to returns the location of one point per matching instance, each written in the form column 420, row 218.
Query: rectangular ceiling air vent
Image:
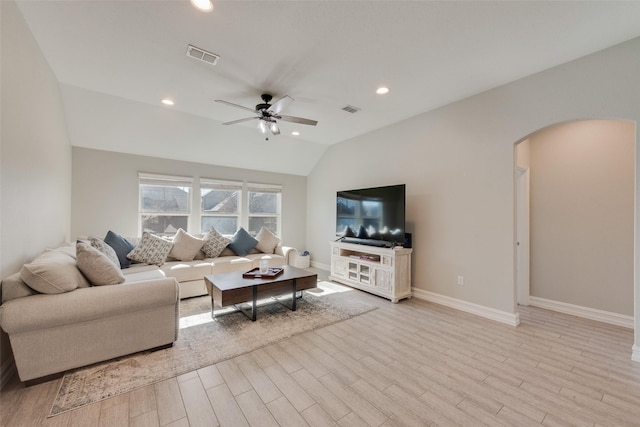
column 351, row 109
column 202, row 55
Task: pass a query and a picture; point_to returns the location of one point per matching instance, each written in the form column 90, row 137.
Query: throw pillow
column 185, row 246
column 152, row 250
column 242, row 242
column 121, row 246
column 53, row 272
column 214, row 243
column 105, row 249
column 96, row 266
column 267, row 241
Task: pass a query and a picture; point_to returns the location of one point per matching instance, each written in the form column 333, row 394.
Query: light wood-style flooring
column 408, row 364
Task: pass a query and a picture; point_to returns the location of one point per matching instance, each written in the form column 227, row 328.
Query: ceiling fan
column 268, row 114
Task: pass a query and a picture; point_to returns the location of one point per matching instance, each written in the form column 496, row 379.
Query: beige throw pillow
column 267, row 241
column 185, row 246
column 96, row 266
column 53, row 272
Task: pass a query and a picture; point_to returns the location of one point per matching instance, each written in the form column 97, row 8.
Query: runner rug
column 203, row 342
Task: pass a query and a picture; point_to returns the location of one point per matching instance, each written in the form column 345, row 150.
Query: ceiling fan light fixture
column 203, row 5
column 262, row 125
column 274, row 128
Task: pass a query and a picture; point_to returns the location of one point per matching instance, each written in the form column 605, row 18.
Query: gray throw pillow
column 121, row 246
column 105, row 249
column 242, row 242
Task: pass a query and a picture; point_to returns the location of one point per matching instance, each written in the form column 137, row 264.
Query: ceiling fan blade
column 231, row 104
column 280, row 104
column 299, row 120
column 241, row 120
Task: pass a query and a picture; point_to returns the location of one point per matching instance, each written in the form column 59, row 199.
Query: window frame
column 253, row 187
column 220, row 184
column 163, row 180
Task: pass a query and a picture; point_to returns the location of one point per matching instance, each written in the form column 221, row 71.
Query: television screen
column 374, row 214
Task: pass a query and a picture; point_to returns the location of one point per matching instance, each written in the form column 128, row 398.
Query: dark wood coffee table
column 228, row 289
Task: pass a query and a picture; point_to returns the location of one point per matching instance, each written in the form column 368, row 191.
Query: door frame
column 522, row 235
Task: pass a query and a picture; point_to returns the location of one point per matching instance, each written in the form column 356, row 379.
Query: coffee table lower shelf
column 231, row 289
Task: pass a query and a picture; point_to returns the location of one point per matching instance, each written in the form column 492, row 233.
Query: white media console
column 381, row 271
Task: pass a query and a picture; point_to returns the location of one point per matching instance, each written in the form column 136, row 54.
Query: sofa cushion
column 100, row 245
column 267, row 241
column 142, row 275
column 242, row 242
column 53, row 272
column 151, row 250
column 13, row 287
column 96, row 266
column 185, row 246
column 227, row 264
column 121, row 246
column 187, row 271
column 214, row 243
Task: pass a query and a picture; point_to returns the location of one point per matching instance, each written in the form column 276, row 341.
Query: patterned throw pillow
column 105, row 249
column 267, row 241
column 214, row 243
column 152, row 250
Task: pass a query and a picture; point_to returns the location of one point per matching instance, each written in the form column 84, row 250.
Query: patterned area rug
column 203, row 342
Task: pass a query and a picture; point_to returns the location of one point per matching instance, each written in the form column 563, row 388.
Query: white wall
column 105, row 191
column 458, row 165
column 35, row 192
column 582, row 178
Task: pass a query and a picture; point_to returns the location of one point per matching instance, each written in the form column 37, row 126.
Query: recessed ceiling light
column 382, row 90
column 295, row 133
column 167, row 101
column 203, row 5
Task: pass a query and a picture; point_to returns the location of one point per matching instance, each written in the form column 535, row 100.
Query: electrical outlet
column 460, row 280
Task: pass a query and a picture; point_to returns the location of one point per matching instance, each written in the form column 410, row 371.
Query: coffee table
column 229, row 289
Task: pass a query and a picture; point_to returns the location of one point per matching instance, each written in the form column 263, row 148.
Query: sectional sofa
column 71, row 306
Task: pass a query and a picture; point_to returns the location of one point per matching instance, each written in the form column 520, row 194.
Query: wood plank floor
column 407, row 364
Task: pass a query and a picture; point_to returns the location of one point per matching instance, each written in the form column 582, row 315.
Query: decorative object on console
column 121, row 246
column 152, row 250
column 242, row 242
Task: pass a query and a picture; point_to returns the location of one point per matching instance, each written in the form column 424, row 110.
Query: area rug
column 203, row 342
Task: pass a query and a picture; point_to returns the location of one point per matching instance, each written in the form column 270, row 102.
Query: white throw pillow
column 151, row 250
column 214, row 243
column 53, row 272
column 267, row 241
column 185, row 246
column 96, row 266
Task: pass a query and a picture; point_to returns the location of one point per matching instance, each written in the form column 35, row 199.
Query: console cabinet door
column 340, row 267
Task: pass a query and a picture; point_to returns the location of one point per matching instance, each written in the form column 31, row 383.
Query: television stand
column 381, row 271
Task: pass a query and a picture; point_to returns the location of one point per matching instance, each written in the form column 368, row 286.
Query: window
column 164, row 203
column 220, row 205
column 264, row 202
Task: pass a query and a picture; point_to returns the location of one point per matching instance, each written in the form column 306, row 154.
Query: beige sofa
column 52, row 333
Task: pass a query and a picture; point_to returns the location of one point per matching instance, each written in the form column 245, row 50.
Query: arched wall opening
column 577, row 250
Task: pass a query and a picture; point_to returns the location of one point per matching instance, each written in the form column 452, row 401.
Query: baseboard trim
column 316, row 264
column 511, row 319
column 7, row 371
column 585, row 312
column 635, row 355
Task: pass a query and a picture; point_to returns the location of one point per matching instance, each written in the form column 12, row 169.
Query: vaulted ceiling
column 116, row 60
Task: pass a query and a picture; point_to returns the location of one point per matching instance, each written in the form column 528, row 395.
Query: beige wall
column 582, row 189
column 458, row 165
column 105, row 191
column 35, row 190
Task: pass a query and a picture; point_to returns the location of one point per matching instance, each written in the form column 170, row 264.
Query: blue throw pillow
column 121, row 246
column 242, row 242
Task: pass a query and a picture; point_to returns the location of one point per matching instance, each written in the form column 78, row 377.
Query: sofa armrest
column 44, row 311
column 287, row 252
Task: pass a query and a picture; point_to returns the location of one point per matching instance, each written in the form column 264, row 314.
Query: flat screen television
column 372, row 216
